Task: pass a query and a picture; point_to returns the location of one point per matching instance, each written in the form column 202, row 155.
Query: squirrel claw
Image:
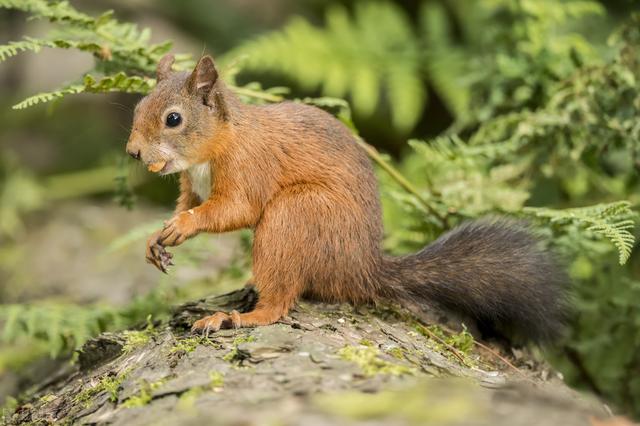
column 159, row 257
column 215, row 322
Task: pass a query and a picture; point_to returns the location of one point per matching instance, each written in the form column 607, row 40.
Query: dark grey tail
column 494, row 271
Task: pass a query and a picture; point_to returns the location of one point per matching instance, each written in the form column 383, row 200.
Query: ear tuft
column 164, row 67
column 203, row 77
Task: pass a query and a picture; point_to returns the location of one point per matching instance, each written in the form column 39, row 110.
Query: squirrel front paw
column 178, row 229
column 157, row 255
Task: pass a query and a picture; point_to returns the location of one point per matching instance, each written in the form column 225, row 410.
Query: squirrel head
column 177, row 125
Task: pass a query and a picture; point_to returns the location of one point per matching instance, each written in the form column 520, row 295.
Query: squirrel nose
column 134, row 154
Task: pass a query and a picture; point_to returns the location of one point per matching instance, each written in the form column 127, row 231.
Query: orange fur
column 296, row 176
column 291, row 172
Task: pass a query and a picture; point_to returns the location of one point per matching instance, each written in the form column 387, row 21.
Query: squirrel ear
column 203, row 77
column 164, row 66
column 201, row 83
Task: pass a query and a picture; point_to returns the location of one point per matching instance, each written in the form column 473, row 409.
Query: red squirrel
column 296, row 176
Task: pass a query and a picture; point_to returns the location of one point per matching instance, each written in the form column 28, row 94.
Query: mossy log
column 324, row 365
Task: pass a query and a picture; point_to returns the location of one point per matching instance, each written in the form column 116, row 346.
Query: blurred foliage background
column 525, row 108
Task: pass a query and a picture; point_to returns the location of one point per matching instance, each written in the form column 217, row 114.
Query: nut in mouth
column 158, row 166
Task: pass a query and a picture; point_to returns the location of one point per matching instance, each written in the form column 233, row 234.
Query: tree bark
column 325, row 365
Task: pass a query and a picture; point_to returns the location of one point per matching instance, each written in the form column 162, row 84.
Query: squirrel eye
column 173, row 119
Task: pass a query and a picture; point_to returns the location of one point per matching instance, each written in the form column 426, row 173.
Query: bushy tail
column 494, row 271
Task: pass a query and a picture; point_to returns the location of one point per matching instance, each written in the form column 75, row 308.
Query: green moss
column 462, row 342
column 369, row 361
column 137, row 338
column 397, row 353
column 109, row 384
column 45, row 399
column 145, row 395
column 9, row 407
column 235, row 355
column 393, row 312
column 419, row 405
column 243, row 339
column 134, row 340
column 139, row 400
column 188, row 399
column 366, row 342
column 190, row 344
column 217, row 379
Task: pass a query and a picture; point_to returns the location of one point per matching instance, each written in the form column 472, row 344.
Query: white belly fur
column 200, row 176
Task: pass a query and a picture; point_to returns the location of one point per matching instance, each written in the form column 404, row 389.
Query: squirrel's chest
column 200, row 176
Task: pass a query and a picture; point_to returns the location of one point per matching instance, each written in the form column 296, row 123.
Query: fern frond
column 465, row 179
column 49, row 96
column 613, row 221
column 120, row 49
column 23, row 5
column 116, row 45
column 62, row 326
column 53, row 11
column 119, row 82
column 66, row 326
column 373, row 51
column 33, row 44
column 550, row 10
column 15, row 47
column 445, row 64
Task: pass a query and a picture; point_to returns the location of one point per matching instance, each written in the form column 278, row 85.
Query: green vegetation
column 397, row 353
column 235, row 355
column 109, row 383
column 188, row 399
column 8, row 408
column 523, row 108
column 439, row 404
column 456, row 346
column 189, row 344
column 368, row 359
column 144, row 396
column 120, row 49
column 462, row 341
column 217, row 379
column 137, row 338
column 64, row 327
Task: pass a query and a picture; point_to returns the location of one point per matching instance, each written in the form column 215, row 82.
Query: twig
column 84, row 182
column 503, row 359
column 453, row 350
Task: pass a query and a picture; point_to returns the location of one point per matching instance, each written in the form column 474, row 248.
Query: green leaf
column 49, row 96
column 613, row 221
column 370, row 53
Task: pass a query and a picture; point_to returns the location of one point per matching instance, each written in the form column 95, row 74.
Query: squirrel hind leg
column 261, row 315
column 316, row 244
